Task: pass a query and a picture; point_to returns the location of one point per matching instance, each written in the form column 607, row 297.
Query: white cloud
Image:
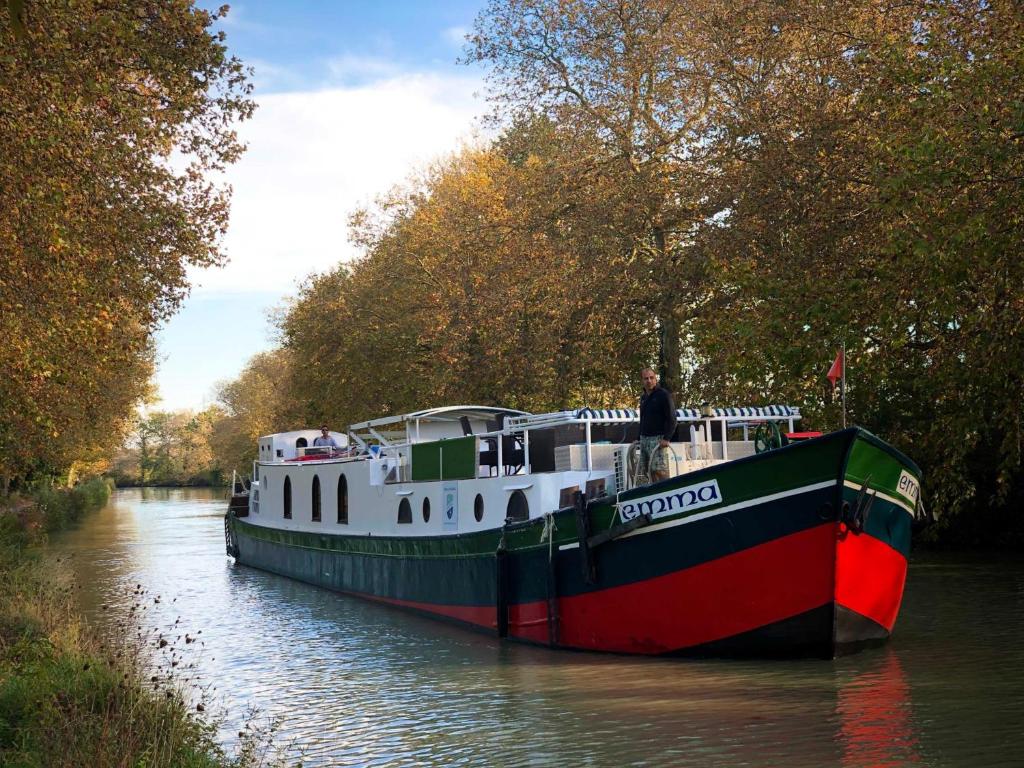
column 348, row 67
column 314, row 157
column 456, row 36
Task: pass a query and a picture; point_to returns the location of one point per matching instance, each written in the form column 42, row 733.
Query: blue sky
column 353, row 98
column 302, row 45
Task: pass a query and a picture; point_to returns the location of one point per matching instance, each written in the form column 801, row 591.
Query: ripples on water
column 354, row 683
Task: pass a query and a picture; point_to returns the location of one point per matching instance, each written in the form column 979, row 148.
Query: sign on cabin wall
column 450, row 493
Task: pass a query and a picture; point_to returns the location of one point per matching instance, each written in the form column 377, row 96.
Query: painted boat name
column 677, row 500
column 909, row 487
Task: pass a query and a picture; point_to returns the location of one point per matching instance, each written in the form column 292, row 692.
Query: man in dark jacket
column 657, row 425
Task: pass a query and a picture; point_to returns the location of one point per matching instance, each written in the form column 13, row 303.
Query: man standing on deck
column 657, row 425
column 325, row 438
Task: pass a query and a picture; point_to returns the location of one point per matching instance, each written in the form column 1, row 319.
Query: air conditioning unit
column 621, row 466
column 679, row 463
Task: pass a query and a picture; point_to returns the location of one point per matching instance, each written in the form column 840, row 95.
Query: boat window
column 426, row 510
column 478, row 507
column 301, row 443
column 316, row 499
column 404, row 511
column 287, row 497
column 342, row 501
column 518, row 507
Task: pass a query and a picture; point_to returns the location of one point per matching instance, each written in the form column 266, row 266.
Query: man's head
column 649, row 378
column 323, row 430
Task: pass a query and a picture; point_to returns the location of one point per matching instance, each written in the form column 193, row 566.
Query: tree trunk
column 669, row 366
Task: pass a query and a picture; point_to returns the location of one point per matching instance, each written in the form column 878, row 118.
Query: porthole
column 342, row 501
column 404, row 511
column 478, row 507
column 426, row 510
column 518, row 507
column 316, row 499
column 287, row 497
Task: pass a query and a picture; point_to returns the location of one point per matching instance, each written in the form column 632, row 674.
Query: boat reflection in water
column 876, row 719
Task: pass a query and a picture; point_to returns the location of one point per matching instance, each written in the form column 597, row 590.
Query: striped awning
column 618, row 415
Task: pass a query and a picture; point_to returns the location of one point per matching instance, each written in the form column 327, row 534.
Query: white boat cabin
column 460, row 469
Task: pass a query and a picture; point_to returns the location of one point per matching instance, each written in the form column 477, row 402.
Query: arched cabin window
column 287, row 497
column 316, row 499
column 478, row 507
column 404, row 511
column 342, row 501
column 301, row 443
column 518, row 507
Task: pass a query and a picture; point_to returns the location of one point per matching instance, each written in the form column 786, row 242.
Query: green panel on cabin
column 426, row 461
column 458, row 456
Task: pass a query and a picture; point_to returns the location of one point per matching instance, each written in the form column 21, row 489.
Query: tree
column 872, row 202
column 626, row 80
column 481, row 282
column 112, row 117
column 259, row 402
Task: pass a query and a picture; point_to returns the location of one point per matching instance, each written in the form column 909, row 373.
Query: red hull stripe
column 870, row 576
column 711, row 601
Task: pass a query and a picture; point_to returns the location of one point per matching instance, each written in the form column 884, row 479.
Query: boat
column 763, row 541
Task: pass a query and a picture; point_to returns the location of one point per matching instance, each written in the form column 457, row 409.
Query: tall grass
column 68, row 698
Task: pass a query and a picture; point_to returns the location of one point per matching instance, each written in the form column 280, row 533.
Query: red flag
column 835, row 373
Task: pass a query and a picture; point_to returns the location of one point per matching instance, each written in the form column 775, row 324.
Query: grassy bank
column 66, row 698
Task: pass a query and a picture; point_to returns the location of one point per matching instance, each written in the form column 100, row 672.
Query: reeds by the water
column 70, row 698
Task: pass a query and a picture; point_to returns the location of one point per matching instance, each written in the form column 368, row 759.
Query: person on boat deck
column 657, row 424
column 325, row 438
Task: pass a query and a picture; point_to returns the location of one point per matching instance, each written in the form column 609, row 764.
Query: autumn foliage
column 112, row 116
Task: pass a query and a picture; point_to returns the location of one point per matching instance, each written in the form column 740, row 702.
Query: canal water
column 348, row 682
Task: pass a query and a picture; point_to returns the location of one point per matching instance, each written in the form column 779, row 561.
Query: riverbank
column 67, row 698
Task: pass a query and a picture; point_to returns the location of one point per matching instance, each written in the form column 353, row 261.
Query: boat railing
column 313, row 452
column 701, row 421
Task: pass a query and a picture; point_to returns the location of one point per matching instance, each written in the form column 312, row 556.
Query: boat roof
column 445, row 413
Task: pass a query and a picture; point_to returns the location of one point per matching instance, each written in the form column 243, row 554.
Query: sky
column 353, row 97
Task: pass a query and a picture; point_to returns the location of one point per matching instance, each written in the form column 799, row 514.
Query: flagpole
column 843, row 384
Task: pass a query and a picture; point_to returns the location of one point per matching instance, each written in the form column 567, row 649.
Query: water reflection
column 875, row 719
column 355, row 683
